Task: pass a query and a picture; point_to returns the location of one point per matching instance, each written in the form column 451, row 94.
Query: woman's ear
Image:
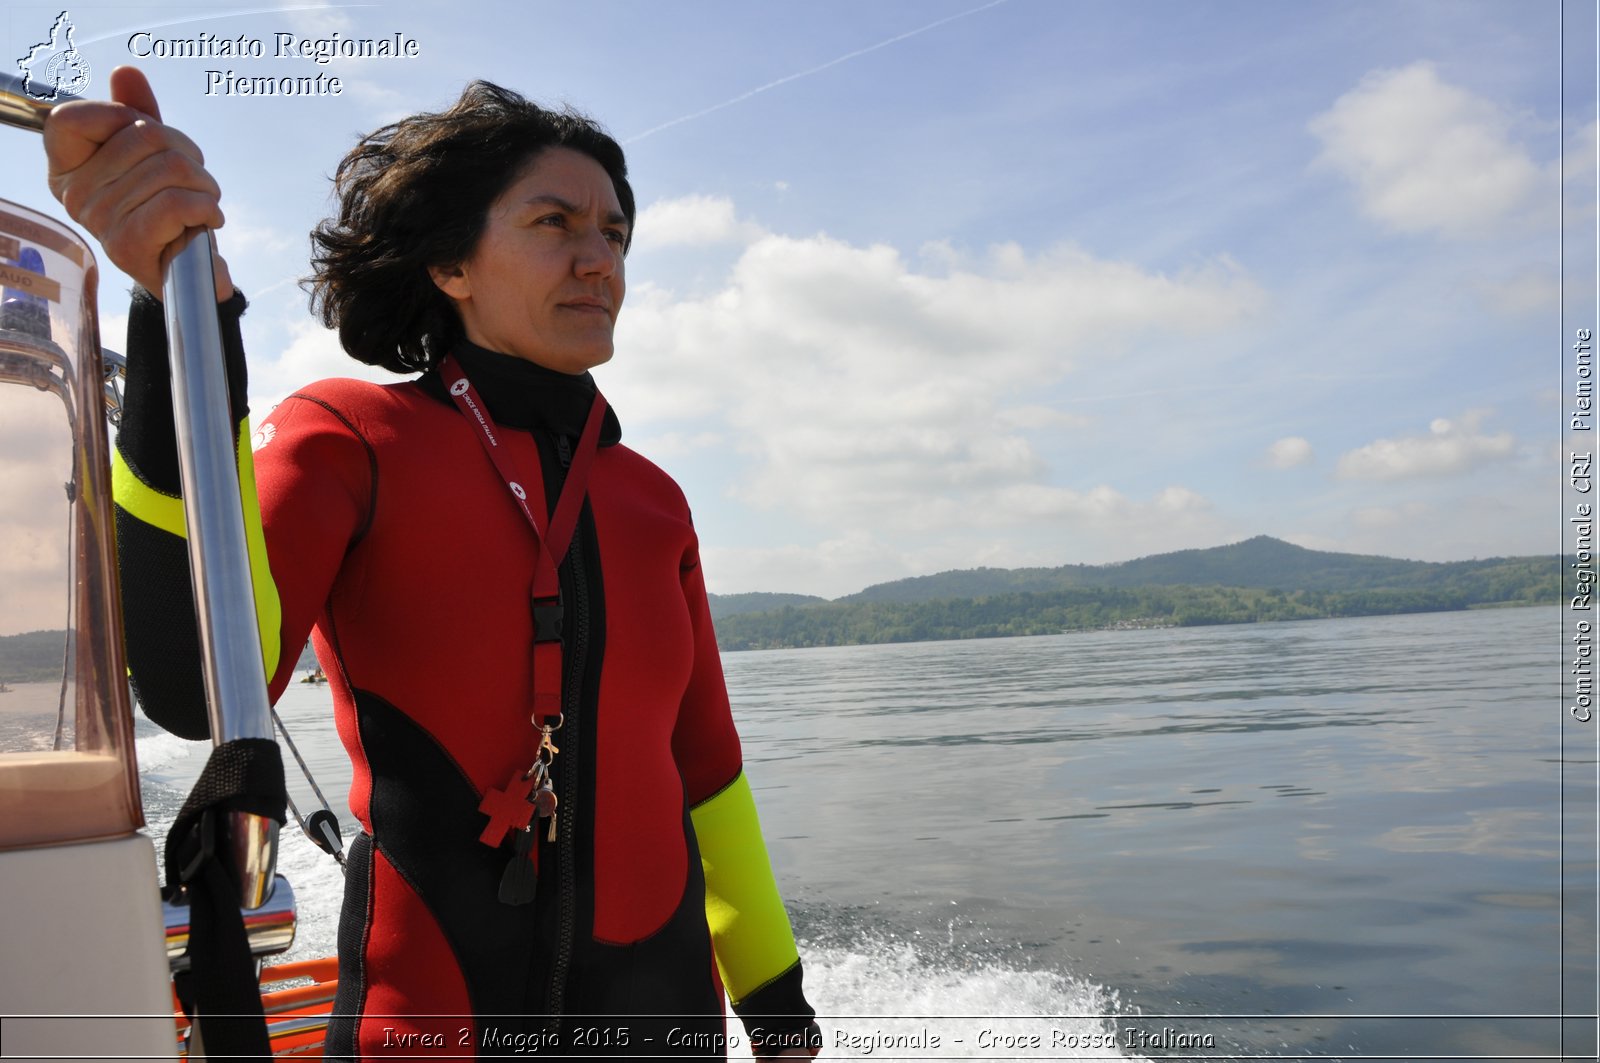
column 452, row 280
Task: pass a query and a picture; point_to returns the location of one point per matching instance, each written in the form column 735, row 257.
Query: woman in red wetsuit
column 559, row 851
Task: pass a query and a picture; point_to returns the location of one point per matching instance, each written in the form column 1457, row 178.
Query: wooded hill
column 1262, row 562
column 1257, row 580
column 32, row 657
column 757, row 602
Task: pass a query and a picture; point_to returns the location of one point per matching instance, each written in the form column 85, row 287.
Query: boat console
column 82, row 918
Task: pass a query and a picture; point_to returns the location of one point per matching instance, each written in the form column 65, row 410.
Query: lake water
column 1342, row 839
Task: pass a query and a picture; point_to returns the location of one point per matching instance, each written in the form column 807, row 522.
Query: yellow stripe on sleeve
column 165, row 512
column 749, row 928
column 269, row 609
column 145, row 502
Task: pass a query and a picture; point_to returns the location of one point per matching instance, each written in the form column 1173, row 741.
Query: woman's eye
column 553, row 219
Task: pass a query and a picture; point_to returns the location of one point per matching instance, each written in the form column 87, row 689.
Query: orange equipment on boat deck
column 297, row 1015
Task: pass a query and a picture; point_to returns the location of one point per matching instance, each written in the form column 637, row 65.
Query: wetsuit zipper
column 566, row 825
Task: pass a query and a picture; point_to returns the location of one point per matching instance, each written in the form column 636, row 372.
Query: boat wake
column 883, row 991
column 883, row 998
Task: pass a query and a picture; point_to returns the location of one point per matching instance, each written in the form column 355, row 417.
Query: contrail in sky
column 212, row 17
column 807, row 73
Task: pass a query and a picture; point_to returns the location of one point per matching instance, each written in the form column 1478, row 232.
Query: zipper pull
column 564, row 450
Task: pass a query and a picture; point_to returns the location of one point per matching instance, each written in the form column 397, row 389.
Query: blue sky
column 1023, row 283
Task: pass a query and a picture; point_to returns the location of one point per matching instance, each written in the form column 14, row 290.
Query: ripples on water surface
column 1339, row 818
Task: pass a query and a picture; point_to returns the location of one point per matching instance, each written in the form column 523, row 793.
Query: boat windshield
column 67, row 769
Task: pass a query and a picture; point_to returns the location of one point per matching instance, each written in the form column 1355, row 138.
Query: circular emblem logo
column 459, row 387
column 67, row 72
column 263, row 436
column 517, row 490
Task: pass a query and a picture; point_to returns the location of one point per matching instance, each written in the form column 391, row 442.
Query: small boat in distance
column 317, row 675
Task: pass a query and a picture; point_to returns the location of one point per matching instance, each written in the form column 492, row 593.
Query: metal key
column 544, row 805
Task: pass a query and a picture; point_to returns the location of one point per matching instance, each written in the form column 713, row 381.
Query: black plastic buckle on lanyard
column 547, row 619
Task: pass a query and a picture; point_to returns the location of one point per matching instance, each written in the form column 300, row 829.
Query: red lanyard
column 526, row 794
column 550, row 545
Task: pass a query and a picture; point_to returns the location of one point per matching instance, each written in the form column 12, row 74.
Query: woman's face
column 546, row 281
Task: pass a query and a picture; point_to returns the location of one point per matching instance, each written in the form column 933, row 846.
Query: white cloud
column 693, row 221
column 246, row 233
column 318, row 20
column 1379, row 518
column 1289, row 452
column 1527, row 293
column 1449, row 448
column 1583, row 154
column 388, row 104
column 1582, row 161
column 1177, row 500
column 313, row 354
column 992, row 528
column 1034, row 417
column 1428, row 156
column 848, row 563
column 866, row 392
column 114, row 331
column 1101, row 505
column 1482, row 515
column 668, row 445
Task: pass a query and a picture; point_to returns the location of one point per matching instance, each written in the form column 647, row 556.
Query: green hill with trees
column 756, row 602
column 1260, row 579
column 1262, row 562
column 32, row 657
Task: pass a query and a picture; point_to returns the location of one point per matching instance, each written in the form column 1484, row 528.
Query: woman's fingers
column 74, row 131
column 131, row 173
column 129, row 86
column 135, row 184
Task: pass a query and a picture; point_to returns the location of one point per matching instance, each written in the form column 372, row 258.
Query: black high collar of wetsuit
column 524, row 394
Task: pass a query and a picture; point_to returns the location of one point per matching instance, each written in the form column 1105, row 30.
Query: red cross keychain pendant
column 508, row 809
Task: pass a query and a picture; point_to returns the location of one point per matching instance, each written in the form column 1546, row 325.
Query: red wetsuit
column 392, row 539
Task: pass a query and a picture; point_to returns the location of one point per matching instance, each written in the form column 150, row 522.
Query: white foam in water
column 890, row 1002
column 169, row 765
column 160, row 751
column 318, row 890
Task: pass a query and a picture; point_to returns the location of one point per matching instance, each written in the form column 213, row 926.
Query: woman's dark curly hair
column 416, row 194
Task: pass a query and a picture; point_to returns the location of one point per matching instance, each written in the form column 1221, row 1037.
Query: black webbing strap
column 245, row 775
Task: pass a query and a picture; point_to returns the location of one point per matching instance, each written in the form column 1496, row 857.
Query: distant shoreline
column 53, row 670
column 738, row 640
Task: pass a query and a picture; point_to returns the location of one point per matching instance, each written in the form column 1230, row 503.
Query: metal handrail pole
column 19, row 109
column 219, row 556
